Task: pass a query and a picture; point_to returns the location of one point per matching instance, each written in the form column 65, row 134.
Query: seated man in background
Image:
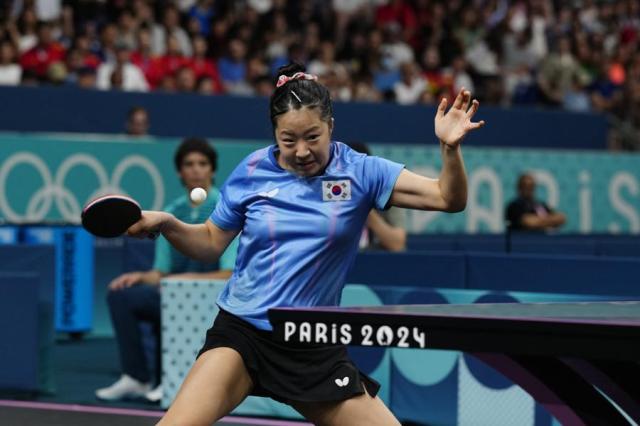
column 526, row 213
column 137, row 122
column 135, row 296
column 384, row 230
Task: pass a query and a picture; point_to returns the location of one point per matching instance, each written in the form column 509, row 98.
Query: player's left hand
column 453, row 126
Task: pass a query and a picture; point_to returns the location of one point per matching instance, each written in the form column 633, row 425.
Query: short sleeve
column 229, row 212
column 228, row 259
column 162, row 257
column 381, row 176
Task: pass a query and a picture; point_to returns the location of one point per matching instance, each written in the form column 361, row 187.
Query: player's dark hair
column 299, row 93
column 193, row 144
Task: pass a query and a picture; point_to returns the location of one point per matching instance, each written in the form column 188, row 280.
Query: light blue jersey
column 299, row 234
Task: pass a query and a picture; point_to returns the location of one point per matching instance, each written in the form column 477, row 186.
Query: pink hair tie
column 284, row 79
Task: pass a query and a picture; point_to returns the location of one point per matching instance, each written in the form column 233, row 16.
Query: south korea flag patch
column 336, row 190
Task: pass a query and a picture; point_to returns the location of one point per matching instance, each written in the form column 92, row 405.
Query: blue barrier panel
column 433, row 269
column 9, row 234
column 586, row 247
column 19, row 331
column 47, row 109
column 495, row 243
column 426, row 242
column 567, row 274
column 572, row 244
column 41, row 261
column 619, row 248
column 74, row 273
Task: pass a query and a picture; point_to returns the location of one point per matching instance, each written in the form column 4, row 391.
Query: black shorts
column 286, row 372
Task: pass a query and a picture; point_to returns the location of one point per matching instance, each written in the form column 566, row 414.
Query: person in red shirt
column 79, row 57
column 168, row 64
column 144, row 59
column 46, row 52
column 202, row 66
column 398, row 12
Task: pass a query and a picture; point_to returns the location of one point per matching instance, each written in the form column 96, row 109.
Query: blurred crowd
column 579, row 55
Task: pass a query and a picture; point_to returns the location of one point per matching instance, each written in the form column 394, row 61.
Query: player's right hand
column 149, row 225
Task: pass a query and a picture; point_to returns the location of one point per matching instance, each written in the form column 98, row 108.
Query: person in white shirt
column 133, row 79
column 411, row 86
column 170, row 27
column 10, row 71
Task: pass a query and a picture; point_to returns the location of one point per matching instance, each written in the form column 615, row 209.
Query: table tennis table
column 579, row 360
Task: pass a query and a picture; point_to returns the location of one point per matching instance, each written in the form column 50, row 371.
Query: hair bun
column 290, row 69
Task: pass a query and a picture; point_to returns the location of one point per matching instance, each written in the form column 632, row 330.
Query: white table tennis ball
column 198, row 195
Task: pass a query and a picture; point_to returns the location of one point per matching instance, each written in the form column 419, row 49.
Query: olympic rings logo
column 54, row 189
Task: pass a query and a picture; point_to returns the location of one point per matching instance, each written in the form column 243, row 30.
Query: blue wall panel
column 49, row 109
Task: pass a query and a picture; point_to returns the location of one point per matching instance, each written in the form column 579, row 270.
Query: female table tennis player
column 300, row 206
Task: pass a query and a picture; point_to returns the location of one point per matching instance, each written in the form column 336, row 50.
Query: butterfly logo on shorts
column 342, row 383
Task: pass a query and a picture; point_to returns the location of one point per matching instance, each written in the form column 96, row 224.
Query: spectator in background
column 186, row 80
column 233, row 66
column 576, row 98
column 143, row 13
column 170, row 28
column 57, row 74
column 135, row 296
column 144, row 59
column 433, row 73
column 82, row 47
column 47, row 51
column 10, row 71
column 605, row 94
column 205, row 86
column 106, row 48
column 384, row 230
column 558, row 72
column 459, row 76
column 411, row 87
column 325, row 61
column 133, row 79
column 127, row 29
column 116, row 79
column 526, row 213
column 65, row 30
column 137, row 121
column 364, row 90
column 203, row 12
column 24, row 34
column 203, row 66
column 164, row 68
column 86, row 78
column 400, row 14
column 394, row 49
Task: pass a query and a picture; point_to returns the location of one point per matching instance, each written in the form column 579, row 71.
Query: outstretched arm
column 204, row 242
column 449, row 192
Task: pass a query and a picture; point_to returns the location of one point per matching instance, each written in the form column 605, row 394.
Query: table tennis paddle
column 110, row 216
